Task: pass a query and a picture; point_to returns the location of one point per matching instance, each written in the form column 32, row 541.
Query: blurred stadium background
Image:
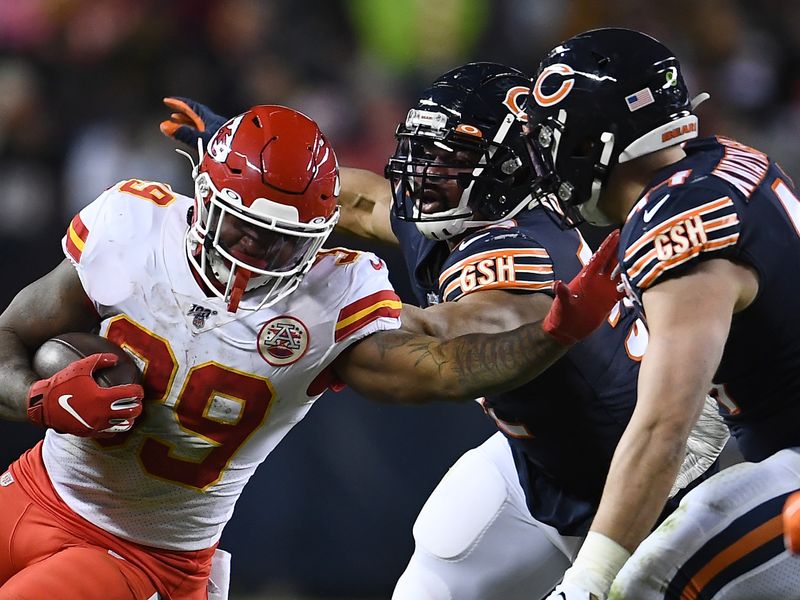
column 329, row 514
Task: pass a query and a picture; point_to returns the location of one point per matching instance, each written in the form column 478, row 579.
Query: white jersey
column 221, row 389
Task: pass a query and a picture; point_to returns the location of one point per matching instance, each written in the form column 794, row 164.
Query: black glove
column 190, row 121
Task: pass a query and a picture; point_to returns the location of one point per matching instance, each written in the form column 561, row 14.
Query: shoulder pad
column 119, row 214
column 496, row 258
column 675, row 227
column 368, row 302
column 112, row 237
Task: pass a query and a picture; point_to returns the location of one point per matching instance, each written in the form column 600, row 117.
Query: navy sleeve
column 675, row 230
column 496, row 258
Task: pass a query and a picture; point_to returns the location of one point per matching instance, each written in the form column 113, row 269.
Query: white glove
column 706, row 440
column 571, row 591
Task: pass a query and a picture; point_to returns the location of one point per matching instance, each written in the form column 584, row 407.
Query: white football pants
column 476, row 539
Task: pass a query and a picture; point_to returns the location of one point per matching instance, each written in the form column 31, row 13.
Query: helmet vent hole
column 235, row 171
column 257, row 121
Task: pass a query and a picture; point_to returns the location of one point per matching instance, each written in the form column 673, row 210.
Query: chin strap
column 589, row 209
column 239, row 285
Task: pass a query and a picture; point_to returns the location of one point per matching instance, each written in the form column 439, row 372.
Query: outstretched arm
column 398, row 366
column 485, row 311
column 366, row 201
column 401, row 366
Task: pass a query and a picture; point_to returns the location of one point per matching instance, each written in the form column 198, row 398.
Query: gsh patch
column 283, row 341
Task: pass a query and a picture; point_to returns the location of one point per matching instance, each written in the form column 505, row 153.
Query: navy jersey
column 726, row 200
column 564, row 425
column 423, row 259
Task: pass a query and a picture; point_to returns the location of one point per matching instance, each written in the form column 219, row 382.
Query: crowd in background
column 81, row 80
column 81, row 83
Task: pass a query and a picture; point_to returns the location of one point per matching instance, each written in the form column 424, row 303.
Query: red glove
column 71, row 401
column 582, row 306
column 791, row 523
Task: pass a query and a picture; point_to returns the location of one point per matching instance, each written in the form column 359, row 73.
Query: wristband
column 597, row 564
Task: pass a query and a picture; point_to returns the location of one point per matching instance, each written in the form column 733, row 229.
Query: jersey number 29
column 204, row 389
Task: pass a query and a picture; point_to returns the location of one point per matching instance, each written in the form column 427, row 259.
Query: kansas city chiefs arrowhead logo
column 283, row 341
column 220, row 146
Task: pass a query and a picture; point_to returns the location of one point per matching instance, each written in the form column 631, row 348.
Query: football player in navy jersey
column 509, row 516
column 710, row 248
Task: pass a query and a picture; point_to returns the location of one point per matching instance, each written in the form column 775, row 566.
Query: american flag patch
column 639, row 99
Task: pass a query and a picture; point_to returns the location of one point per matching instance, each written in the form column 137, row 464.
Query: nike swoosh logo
column 648, row 214
column 63, row 402
column 466, row 243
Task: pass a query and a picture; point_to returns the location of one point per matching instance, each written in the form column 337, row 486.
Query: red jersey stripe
column 77, row 233
column 385, row 308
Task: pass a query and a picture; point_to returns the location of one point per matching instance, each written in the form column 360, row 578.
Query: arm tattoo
column 422, row 348
column 474, row 364
column 485, row 364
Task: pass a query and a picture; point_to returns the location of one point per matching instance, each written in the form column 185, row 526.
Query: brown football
column 62, row 350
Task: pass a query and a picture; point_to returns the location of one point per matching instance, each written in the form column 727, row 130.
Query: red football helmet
column 265, row 202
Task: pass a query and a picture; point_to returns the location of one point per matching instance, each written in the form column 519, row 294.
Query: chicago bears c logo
column 564, row 89
column 513, row 100
column 282, row 341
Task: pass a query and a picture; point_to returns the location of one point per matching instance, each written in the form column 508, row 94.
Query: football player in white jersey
column 239, row 322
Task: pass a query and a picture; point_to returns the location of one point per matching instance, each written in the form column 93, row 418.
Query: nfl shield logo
column 199, row 315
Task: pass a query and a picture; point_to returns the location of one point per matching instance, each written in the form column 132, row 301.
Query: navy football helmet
column 461, row 159
column 601, row 98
